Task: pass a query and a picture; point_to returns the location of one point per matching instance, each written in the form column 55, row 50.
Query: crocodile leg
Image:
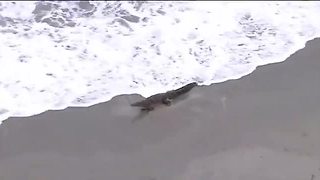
column 166, row 101
column 149, row 108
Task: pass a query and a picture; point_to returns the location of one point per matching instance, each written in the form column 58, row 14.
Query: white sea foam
column 59, row 54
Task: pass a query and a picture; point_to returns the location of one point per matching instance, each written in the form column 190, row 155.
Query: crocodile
column 149, row 103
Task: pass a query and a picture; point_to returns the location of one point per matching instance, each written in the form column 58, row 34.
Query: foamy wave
column 59, row 54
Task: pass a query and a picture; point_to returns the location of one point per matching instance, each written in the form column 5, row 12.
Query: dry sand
column 264, row 126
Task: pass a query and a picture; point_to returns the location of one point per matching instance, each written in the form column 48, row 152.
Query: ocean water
column 55, row 55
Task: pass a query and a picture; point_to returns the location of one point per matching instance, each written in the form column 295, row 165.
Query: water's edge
column 130, row 95
column 56, row 55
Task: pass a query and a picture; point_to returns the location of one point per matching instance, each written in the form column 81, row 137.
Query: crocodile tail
column 185, row 88
column 175, row 93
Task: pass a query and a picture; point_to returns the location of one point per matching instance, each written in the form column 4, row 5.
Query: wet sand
column 263, row 126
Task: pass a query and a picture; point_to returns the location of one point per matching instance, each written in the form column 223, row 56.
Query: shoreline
column 264, row 125
column 104, row 100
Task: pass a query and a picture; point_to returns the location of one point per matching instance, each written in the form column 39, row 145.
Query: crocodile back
column 150, row 101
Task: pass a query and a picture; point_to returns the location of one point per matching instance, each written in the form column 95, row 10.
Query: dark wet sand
column 264, row 126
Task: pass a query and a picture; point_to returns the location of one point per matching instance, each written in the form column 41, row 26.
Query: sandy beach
column 263, row 126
